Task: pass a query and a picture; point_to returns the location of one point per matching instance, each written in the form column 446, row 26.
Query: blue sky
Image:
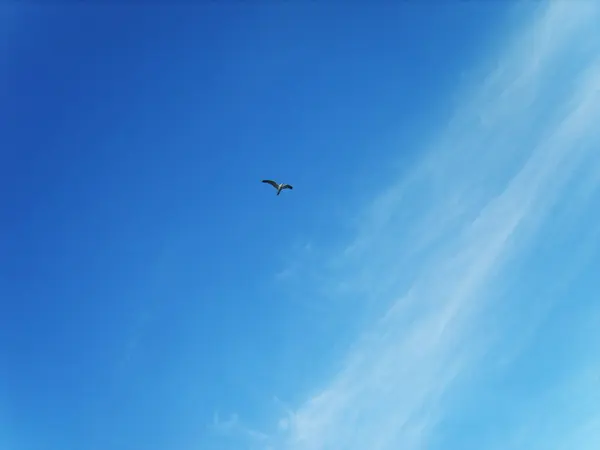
column 428, row 284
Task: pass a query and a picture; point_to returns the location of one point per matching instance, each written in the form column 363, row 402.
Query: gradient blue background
column 139, row 248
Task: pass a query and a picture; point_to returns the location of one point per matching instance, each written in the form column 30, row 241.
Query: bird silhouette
column 278, row 186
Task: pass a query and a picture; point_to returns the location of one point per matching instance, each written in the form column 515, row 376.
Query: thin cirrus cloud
column 518, row 163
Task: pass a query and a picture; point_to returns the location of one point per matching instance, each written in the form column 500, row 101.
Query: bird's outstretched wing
column 287, row 186
column 272, row 183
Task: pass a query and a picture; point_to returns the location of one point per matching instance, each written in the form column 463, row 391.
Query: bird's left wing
column 287, row 186
column 271, row 182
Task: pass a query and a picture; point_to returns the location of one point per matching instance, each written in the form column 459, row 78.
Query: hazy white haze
column 484, row 257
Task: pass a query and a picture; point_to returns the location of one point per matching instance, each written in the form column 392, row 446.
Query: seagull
column 278, row 186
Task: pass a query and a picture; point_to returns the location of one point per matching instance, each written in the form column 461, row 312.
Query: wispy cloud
column 234, row 427
column 441, row 249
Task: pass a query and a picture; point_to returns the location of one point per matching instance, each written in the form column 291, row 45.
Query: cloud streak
column 439, row 250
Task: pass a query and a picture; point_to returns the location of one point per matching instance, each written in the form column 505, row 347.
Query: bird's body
column 278, row 186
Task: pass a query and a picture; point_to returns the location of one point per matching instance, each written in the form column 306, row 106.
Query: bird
column 278, row 186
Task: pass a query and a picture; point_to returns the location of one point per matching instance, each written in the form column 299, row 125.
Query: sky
column 427, row 284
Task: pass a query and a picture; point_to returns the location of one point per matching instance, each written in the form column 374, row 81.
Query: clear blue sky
column 429, row 282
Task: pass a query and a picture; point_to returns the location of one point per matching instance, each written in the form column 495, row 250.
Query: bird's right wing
column 287, row 186
column 271, row 182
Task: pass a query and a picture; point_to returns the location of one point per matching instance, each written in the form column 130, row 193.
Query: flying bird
column 278, row 186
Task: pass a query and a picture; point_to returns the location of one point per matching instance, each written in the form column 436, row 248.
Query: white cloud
column 520, row 145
